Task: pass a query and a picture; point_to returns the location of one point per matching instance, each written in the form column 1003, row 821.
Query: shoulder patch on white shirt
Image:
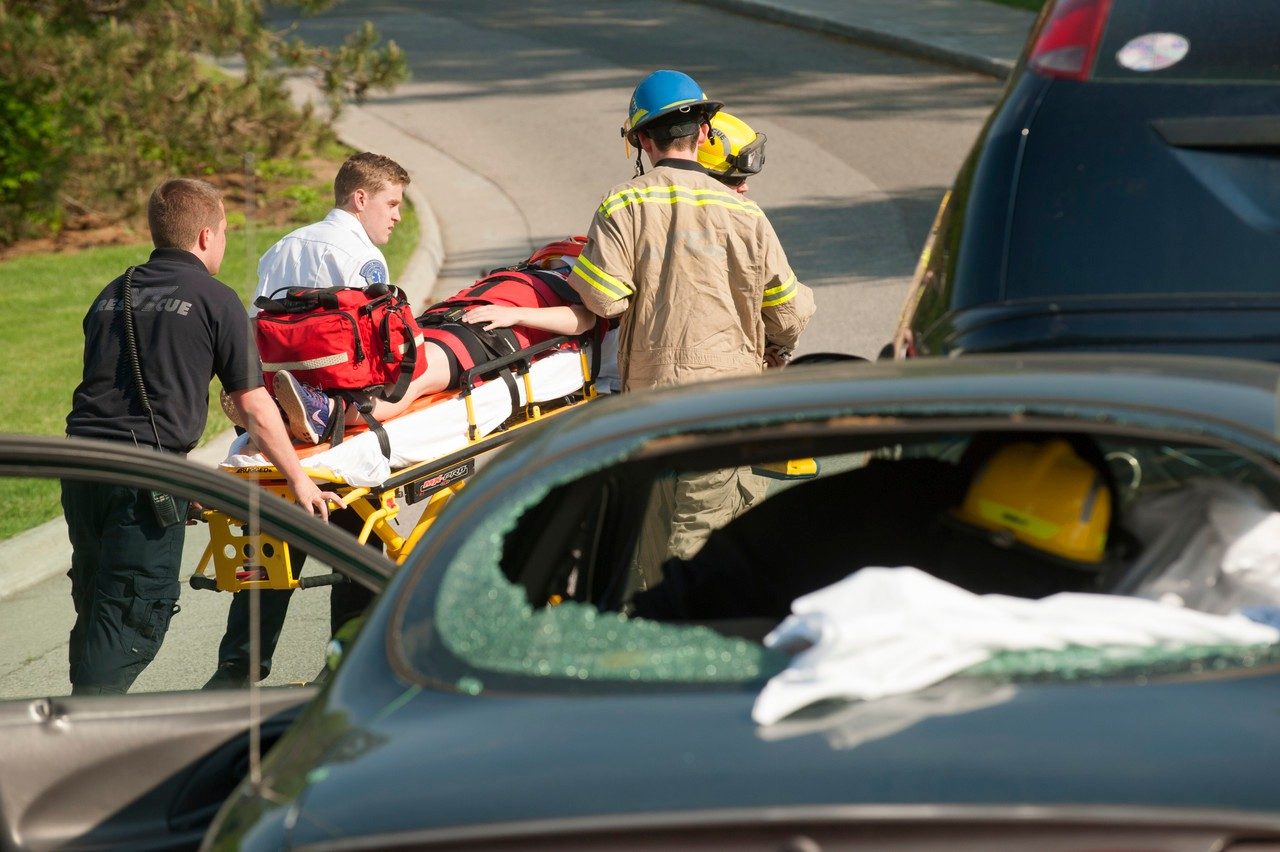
column 375, row 272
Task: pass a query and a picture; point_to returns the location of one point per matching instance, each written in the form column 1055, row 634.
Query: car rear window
column 491, row 624
column 1225, row 41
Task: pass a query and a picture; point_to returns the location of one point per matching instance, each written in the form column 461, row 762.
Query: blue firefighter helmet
column 663, row 93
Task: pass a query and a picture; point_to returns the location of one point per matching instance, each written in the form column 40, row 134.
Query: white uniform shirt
column 333, row 252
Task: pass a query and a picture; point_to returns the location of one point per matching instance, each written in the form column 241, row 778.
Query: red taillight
column 1069, row 39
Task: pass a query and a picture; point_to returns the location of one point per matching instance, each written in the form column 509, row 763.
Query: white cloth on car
column 888, row 631
column 1209, row 545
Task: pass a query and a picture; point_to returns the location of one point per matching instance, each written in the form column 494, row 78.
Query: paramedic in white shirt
column 342, row 249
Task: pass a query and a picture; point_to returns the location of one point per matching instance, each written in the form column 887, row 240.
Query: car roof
column 1231, row 399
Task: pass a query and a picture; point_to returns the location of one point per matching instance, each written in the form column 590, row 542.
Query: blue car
column 1124, row 194
column 539, row 674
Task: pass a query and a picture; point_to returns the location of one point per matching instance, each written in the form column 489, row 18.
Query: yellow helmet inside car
column 1046, row 497
column 732, row 148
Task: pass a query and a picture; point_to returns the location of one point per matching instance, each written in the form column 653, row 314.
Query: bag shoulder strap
column 409, row 362
column 537, row 279
column 558, row 285
column 299, row 300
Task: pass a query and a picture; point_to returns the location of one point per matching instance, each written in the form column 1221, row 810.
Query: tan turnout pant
column 685, row 510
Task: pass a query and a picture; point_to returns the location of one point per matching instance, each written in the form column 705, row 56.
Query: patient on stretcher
column 508, row 310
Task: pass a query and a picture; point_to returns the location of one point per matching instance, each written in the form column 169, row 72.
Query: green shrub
column 312, row 204
column 272, row 168
column 101, row 100
column 32, row 153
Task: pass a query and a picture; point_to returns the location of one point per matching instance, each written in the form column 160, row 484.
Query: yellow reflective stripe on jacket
column 678, row 195
column 784, row 292
column 601, row 280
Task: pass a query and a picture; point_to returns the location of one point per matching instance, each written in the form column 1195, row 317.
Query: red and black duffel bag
column 341, row 338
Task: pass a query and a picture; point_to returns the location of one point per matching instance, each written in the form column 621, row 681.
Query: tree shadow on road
column 556, row 47
column 834, row 242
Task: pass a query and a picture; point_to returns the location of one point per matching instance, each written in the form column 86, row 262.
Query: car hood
column 441, row 763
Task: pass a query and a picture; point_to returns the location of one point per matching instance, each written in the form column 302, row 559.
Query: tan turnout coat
column 697, row 274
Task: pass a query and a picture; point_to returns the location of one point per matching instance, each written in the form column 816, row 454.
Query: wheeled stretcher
column 433, row 451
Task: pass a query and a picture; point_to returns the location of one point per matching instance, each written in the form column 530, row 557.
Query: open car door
column 145, row 770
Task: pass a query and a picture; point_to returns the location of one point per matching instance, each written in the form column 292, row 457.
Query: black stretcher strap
column 344, row 401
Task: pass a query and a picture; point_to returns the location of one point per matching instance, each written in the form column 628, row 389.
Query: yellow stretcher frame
column 245, row 559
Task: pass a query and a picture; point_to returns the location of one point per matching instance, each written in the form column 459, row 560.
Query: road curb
column 27, row 557
column 813, row 22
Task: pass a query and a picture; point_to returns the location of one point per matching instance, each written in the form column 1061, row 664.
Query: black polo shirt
column 190, row 327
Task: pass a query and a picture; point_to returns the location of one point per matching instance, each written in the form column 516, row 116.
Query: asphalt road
column 33, row 662
column 527, row 99
column 37, row 620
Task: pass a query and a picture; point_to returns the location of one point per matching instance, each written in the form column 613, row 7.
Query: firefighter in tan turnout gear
column 697, row 276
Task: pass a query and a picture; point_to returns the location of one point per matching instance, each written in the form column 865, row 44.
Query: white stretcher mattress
column 431, row 432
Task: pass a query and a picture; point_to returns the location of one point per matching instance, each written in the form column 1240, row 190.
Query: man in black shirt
column 188, row 328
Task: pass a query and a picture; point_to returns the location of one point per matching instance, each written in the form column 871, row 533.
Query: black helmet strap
column 664, row 135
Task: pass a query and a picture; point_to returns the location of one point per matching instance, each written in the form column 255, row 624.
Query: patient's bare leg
column 434, row 379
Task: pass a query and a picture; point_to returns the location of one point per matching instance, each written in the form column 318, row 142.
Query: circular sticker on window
column 1153, row 52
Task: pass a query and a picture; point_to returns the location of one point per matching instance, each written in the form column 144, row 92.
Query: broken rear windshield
column 555, row 610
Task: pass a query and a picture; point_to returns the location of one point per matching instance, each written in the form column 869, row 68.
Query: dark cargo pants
column 124, row 583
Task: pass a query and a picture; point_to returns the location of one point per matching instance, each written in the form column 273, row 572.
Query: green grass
column 46, row 299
